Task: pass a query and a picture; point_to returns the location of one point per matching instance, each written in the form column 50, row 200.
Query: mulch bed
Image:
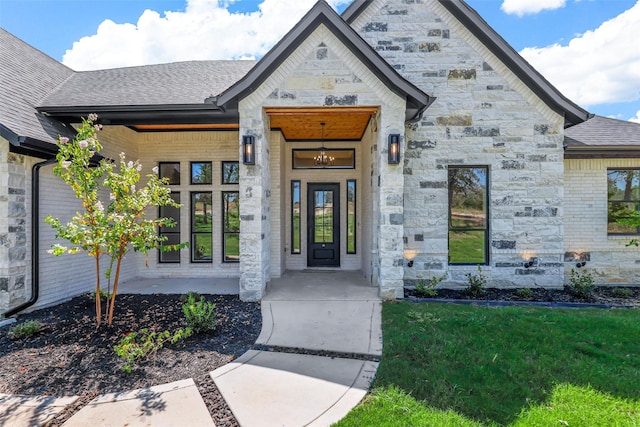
column 70, row 357
column 604, row 295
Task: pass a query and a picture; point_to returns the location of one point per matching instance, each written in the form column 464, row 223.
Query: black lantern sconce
column 394, row 149
column 248, row 150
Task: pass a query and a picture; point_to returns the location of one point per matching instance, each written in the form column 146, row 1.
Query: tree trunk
column 98, row 299
column 115, row 287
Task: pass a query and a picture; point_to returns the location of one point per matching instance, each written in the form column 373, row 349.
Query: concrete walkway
column 313, row 362
column 323, row 330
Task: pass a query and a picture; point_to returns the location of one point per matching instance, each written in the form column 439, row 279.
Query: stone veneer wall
column 608, row 258
column 483, row 115
column 13, row 223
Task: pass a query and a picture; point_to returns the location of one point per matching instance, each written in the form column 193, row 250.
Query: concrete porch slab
column 173, row 404
column 212, row 286
column 284, row 389
column 27, row 411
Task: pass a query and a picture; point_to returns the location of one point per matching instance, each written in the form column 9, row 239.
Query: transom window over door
column 468, row 213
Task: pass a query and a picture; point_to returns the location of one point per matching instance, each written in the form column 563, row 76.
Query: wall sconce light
column 248, row 150
column 530, row 262
column 581, row 264
column 394, row 149
column 410, row 264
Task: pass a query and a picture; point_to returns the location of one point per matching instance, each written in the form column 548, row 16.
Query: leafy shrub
column 200, row 314
column 476, row 284
column 428, row 288
column 581, row 285
column 524, row 293
column 622, row 293
column 191, row 294
column 24, row 330
column 139, row 345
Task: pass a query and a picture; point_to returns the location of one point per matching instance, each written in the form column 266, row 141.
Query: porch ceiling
column 303, row 124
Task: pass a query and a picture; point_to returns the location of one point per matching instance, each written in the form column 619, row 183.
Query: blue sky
column 565, row 40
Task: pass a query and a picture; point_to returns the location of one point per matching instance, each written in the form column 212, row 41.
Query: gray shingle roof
column 603, row 131
column 26, row 76
column 176, row 83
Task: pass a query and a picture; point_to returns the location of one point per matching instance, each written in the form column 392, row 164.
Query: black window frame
column 225, row 232
column 636, row 201
column 293, row 234
column 355, row 217
column 193, row 228
column 203, row 162
column 485, row 229
column 222, row 174
column 170, row 233
column 160, row 164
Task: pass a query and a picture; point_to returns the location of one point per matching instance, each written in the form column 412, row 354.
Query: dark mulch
column 606, row 295
column 70, row 357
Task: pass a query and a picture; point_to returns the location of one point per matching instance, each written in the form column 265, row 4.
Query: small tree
column 123, row 225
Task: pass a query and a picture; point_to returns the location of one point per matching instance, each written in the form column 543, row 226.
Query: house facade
column 401, row 139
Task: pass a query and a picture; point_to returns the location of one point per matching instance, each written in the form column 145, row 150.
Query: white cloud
column 524, row 7
column 205, row 30
column 597, row 67
column 636, row 118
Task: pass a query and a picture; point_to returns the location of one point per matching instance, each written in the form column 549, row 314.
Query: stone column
column 13, row 223
column 391, row 206
column 255, row 191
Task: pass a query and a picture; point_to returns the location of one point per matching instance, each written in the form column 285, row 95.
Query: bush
column 622, row 293
column 524, row 293
column 581, row 285
column 200, row 314
column 139, row 345
column 476, row 284
column 428, row 288
column 24, row 330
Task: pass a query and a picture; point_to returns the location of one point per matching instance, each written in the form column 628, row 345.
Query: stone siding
column 484, row 116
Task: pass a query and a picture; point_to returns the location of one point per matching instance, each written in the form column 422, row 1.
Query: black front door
column 323, row 225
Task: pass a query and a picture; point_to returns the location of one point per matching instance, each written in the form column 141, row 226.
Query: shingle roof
column 603, row 131
column 26, row 76
column 176, row 83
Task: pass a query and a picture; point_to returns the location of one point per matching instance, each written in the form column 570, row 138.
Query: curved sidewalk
column 315, row 357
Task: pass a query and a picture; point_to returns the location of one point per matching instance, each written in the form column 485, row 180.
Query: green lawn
column 455, row 365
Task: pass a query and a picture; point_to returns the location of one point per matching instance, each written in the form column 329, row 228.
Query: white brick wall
column 610, row 260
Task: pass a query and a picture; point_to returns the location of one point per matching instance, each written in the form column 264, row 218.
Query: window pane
column 295, row 217
column 231, row 211
column 201, row 212
column 232, row 247
column 323, row 217
column 623, row 191
column 468, row 215
column 467, row 247
column 201, row 247
column 351, row 217
column 173, row 213
column 230, row 172
column 170, row 256
column 201, row 173
column 170, row 171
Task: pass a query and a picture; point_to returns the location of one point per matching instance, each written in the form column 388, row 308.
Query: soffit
column 304, row 124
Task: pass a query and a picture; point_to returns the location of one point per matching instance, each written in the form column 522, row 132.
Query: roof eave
column 601, row 152
column 26, row 145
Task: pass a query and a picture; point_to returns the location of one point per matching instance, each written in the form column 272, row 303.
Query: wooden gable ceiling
column 304, row 124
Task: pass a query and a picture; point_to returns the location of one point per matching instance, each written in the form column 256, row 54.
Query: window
column 468, row 226
column 231, row 226
column 201, row 226
column 295, row 217
column 201, row 173
column 230, row 173
column 171, row 233
column 623, row 191
column 324, row 158
column 171, row 171
column 351, row 216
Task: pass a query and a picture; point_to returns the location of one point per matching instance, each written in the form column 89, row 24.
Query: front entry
column 323, row 225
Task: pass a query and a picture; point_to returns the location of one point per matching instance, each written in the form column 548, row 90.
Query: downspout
column 35, row 237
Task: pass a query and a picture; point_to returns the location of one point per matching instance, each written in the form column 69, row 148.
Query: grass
column 478, row 366
column 466, row 247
